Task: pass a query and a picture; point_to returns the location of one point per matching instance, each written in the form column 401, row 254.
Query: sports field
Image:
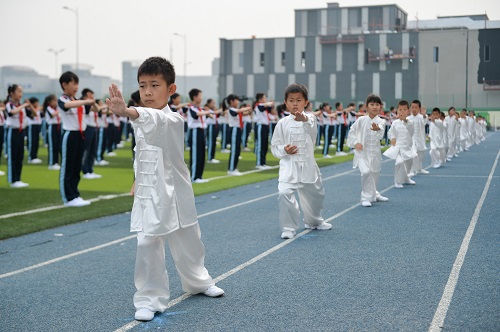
column 427, row 260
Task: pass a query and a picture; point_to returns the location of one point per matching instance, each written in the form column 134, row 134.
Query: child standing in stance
column 164, row 207
column 402, row 149
column 293, row 143
column 364, row 136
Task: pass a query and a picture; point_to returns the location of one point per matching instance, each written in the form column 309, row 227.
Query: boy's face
column 198, row 98
column 154, row 91
column 70, row 88
column 373, row 109
column 436, row 115
column 295, row 102
column 415, row 109
column 403, row 111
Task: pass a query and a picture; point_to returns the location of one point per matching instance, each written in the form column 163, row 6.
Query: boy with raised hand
column 364, row 136
column 164, row 207
column 402, row 150
column 293, row 143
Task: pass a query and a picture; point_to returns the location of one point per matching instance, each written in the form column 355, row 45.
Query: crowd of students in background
column 207, row 127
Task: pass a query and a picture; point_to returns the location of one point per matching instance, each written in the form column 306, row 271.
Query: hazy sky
column 112, row 31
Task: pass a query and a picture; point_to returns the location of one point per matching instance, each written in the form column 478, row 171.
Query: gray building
column 345, row 53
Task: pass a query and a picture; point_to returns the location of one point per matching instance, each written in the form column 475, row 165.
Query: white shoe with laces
column 213, row 291
column 424, row 171
column 144, row 315
column 410, row 181
column 398, row 185
column 366, row 203
column 321, row 227
column 382, row 199
column 234, row 173
column 19, row 184
column 287, row 234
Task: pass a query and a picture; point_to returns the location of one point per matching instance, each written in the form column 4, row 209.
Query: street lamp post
column 75, row 10
column 185, row 59
column 56, row 52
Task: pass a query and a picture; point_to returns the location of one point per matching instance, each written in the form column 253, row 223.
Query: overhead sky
column 112, row 31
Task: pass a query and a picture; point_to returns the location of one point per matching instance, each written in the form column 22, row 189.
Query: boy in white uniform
column 464, row 130
column 293, row 143
column 436, row 136
column 364, row 136
column 164, row 207
column 402, row 150
column 451, row 129
column 419, row 120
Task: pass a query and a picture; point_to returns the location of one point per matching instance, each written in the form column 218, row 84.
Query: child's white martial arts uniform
column 418, row 142
column 164, row 209
column 368, row 160
column 464, row 133
column 451, row 130
column 403, row 152
column 298, row 173
column 436, row 136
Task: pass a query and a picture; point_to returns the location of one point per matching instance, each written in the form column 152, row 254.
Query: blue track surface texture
column 383, row 268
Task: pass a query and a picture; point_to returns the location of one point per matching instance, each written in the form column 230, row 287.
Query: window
column 303, row 59
column 262, row 59
column 241, row 59
column 436, row 54
column 486, row 53
column 283, row 58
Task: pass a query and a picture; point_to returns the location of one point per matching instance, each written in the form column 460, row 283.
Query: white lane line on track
column 58, row 259
column 257, row 258
column 437, row 323
column 55, row 207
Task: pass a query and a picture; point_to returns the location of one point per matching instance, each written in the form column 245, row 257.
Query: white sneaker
column 287, row 234
column 35, row 161
column 234, row 173
column 144, row 315
column 448, row 159
column 102, row 163
column 111, row 154
column 120, row 145
column 267, row 167
column 411, row 174
column 225, row 151
column 424, row 171
column 96, row 176
column 321, row 227
column 382, row 199
column 213, row 161
column 341, row 153
column 213, row 291
column 19, row 184
column 456, row 155
column 247, row 149
column 54, row 167
column 366, row 203
column 327, row 156
column 77, row 202
column 261, row 167
column 410, row 181
column 200, row 181
column 436, row 165
column 398, row 185
column 2, row 173
column 88, row 176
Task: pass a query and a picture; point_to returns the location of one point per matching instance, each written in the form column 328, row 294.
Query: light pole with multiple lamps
column 75, row 10
column 56, row 52
column 185, row 60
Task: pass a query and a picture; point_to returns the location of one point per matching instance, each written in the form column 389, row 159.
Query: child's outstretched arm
column 117, row 105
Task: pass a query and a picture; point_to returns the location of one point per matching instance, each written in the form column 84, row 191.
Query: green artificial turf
column 116, row 179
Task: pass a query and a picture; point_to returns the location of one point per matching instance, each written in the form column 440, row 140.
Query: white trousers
column 435, row 157
column 151, row 278
column 311, row 196
column 402, row 169
column 418, row 161
column 442, row 155
column 451, row 148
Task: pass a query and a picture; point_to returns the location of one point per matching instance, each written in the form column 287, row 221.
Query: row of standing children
column 66, row 121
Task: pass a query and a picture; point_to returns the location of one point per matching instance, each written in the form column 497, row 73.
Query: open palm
column 115, row 101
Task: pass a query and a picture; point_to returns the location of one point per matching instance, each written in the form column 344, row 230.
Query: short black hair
column 436, row 109
column 296, row 88
column 351, row 104
column 68, row 77
column 337, row 104
column 193, row 93
column 157, row 66
column 85, row 91
column 373, row 98
column 416, row 101
column 33, row 100
column 403, row 103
